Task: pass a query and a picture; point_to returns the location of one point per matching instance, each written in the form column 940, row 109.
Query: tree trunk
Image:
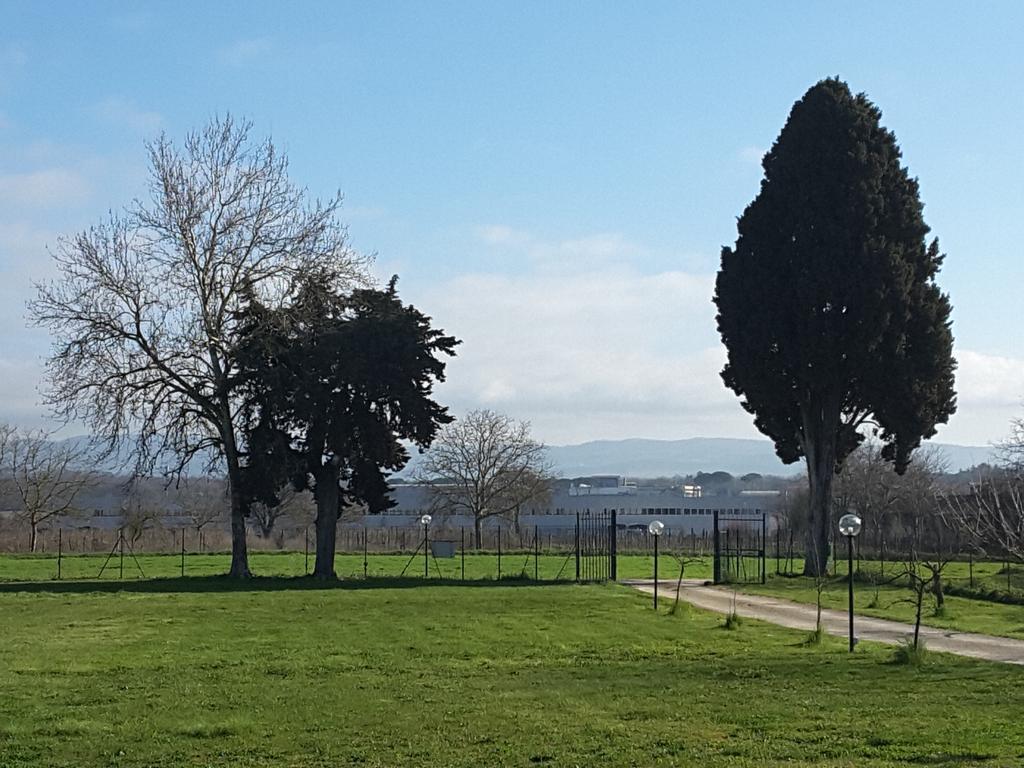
column 326, row 495
column 239, row 545
column 819, row 445
column 33, row 535
column 937, row 590
column 917, row 614
column 239, row 507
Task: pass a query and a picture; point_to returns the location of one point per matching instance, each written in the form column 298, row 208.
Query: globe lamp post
column 656, row 528
column 425, row 522
column 849, row 526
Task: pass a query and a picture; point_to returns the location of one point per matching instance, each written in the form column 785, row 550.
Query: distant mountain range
column 665, row 458
column 652, row 458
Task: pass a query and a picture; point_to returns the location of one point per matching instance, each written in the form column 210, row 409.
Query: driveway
column 786, row 613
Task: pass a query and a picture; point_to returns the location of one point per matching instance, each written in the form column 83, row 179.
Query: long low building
column 679, row 509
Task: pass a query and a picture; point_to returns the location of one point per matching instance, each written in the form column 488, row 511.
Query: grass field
column 478, row 566
column 204, row 672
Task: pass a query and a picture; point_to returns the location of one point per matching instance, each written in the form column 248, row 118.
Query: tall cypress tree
column 827, row 303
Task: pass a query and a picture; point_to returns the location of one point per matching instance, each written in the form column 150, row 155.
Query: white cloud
column 990, row 393
column 601, row 353
column 587, row 347
column 124, row 114
column 44, row 188
column 243, row 53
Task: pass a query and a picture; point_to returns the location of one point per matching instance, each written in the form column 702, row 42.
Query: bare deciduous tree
column 991, row 514
column 44, row 477
column 486, row 465
column 1011, row 450
column 292, row 505
column 144, row 314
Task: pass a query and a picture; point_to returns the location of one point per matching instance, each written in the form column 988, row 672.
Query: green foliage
column 827, row 303
column 907, row 654
column 334, row 383
column 815, row 638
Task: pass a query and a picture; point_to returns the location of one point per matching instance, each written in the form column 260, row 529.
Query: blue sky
column 551, row 181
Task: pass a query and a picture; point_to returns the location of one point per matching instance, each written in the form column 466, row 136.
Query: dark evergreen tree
column 828, row 304
column 334, row 383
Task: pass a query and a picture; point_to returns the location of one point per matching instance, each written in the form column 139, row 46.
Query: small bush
column 733, row 621
column 939, row 612
column 906, row 654
column 815, row 638
column 680, row 609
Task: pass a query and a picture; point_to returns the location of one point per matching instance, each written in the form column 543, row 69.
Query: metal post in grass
column 499, row 552
column 536, row 553
column 462, row 551
column 425, row 522
column 970, row 567
column 717, row 567
column 577, row 546
column 656, row 528
column 764, row 547
column 183, row 553
column 60, row 550
column 613, row 534
column 849, row 526
column 366, row 533
column 120, row 543
column 778, row 547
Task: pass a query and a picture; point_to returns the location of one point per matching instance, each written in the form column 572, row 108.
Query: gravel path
column 801, row 616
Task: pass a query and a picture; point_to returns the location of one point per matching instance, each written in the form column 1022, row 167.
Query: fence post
column 60, row 550
column 716, row 576
column 536, row 553
column 120, row 543
column 577, row 546
column 613, row 533
column 366, row 535
column 499, row 552
column 970, row 567
column 764, row 546
column 778, row 548
column 183, row 553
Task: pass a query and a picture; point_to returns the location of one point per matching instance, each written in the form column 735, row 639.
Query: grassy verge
column 282, row 672
column 892, row 602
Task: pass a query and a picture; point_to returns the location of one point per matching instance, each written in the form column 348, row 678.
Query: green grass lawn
column 892, row 601
column 204, row 672
column 43, row 567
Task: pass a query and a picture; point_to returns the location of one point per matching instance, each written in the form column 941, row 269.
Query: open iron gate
column 596, row 556
column 740, row 541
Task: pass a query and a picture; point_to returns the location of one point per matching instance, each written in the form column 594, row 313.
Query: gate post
column 577, row 546
column 764, row 547
column 613, row 533
column 717, row 569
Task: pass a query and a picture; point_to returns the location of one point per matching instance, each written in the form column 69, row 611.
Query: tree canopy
column 143, row 312
column 828, row 303
column 334, row 382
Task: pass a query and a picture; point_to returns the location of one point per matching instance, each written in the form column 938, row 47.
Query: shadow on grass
column 255, row 584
